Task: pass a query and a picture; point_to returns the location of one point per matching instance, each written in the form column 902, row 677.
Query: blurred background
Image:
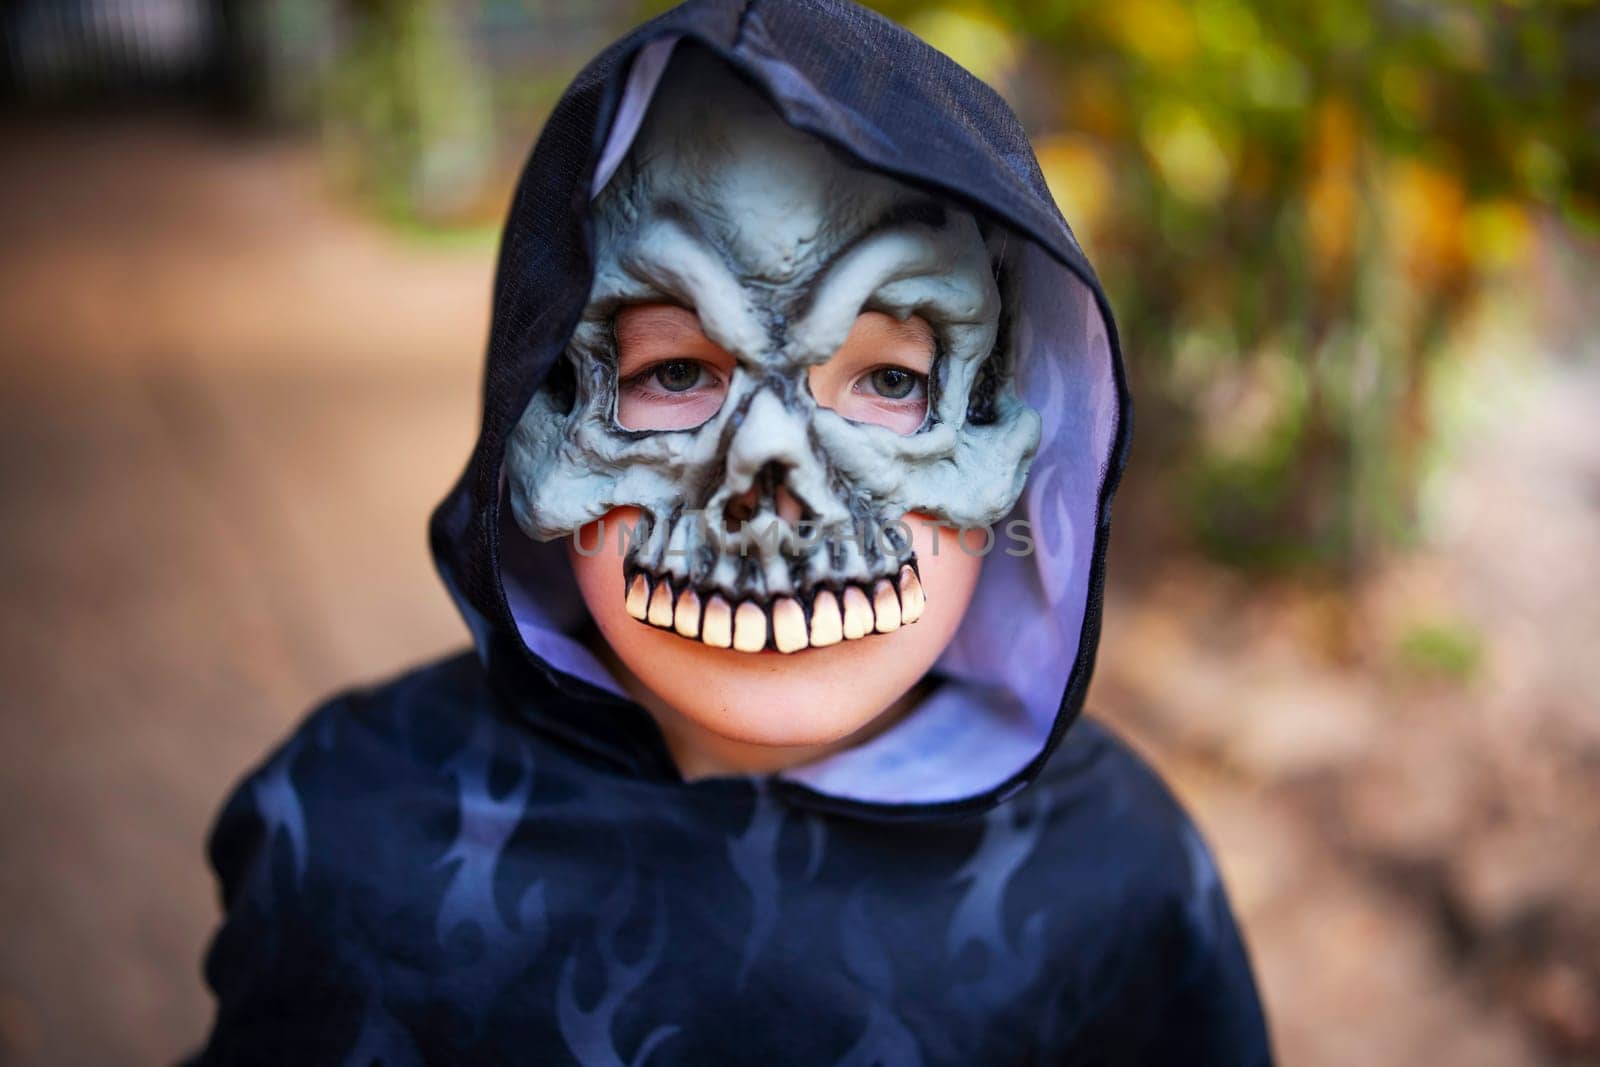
column 245, row 259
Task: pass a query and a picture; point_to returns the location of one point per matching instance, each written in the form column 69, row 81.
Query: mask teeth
column 789, row 630
column 686, row 618
column 785, row 624
column 912, row 600
column 661, row 608
column 827, row 625
column 716, row 628
column 749, row 627
column 857, row 613
column 638, row 602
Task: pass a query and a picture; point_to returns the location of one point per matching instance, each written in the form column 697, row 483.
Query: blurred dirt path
column 225, row 411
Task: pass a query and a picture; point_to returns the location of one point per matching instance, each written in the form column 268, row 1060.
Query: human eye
column 888, row 395
column 880, row 374
column 670, row 375
column 676, row 375
column 678, row 393
column 894, row 383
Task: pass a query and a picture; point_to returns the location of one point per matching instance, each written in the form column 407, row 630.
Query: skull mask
column 777, row 244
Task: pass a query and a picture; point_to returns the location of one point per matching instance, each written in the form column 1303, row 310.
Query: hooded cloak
column 495, row 859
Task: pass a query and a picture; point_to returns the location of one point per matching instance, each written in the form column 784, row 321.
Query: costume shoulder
column 366, row 741
column 1141, row 914
column 335, row 816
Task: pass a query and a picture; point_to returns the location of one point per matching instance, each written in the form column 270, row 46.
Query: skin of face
column 723, row 711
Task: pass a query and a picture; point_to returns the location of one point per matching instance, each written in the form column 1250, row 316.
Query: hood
column 1017, row 670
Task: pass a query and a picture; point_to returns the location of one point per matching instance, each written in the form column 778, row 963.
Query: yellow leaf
column 1079, row 178
column 1499, row 235
column 1160, row 31
column 1189, row 151
column 1426, row 208
column 980, row 44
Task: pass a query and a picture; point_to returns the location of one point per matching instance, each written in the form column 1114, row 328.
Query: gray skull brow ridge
column 777, row 244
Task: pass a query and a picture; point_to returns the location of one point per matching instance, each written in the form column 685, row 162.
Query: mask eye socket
column 670, row 375
column 880, row 374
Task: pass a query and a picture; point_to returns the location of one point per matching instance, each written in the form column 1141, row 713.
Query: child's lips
column 784, row 624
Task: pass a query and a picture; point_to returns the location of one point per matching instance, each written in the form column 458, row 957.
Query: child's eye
column 892, row 383
column 672, row 376
column 678, row 375
column 674, row 394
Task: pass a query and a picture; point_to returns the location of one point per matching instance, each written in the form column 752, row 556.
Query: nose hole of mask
column 769, row 493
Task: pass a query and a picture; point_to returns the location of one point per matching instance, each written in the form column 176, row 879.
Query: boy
column 782, row 548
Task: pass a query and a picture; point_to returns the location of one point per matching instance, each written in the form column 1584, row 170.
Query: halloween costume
column 495, row 859
column 777, row 243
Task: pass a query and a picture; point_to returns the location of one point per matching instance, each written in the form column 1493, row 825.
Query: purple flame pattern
column 428, row 880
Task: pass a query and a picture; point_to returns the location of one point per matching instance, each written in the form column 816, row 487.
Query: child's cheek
column 596, row 555
column 948, row 562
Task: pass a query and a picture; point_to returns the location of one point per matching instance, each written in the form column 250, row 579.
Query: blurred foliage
column 406, row 109
column 1444, row 649
column 1290, row 205
column 429, row 106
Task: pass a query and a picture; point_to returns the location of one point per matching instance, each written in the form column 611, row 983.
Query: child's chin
column 814, row 696
column 776, row 731
column 778, row 718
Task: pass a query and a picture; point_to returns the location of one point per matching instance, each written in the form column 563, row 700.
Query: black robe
column 494, row 859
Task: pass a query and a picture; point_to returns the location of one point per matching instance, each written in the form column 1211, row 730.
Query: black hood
column 1020, row 665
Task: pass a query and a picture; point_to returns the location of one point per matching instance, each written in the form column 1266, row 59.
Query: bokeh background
column 245, row 258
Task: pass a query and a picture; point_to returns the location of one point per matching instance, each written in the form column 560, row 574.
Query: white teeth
column 857, row 614
column 638, row 598
column 716, row 629
column 788, row 625
column 827, row 628
column 912, row 600
column 834, row 617
column 886, row 606
column 661, row 606
column 749, row 627
column 686, row 620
